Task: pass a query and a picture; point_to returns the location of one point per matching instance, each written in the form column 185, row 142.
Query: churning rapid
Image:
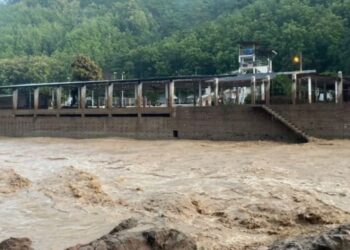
column 227, row 195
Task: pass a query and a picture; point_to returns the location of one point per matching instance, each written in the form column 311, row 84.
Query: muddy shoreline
column 223, row 195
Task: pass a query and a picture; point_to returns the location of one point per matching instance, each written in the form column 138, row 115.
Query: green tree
column 84, row 69
column 23, row 70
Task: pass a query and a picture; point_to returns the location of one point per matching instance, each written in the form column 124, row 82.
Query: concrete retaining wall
column 328, row 121
column 238, row 123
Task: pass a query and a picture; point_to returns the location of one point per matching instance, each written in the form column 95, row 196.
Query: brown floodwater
column 227, row 195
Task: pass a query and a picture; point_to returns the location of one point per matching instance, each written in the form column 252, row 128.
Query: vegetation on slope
column 40, row 38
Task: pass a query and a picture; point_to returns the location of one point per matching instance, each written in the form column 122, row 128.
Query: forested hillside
column 40, row 38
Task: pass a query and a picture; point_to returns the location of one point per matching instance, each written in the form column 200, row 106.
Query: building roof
column 247, row 77
column 126, row 81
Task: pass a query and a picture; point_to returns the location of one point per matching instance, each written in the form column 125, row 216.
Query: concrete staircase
column 300, row 133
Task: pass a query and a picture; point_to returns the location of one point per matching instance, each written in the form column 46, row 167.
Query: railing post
column 294, row 88
column 253, row 88
column 268, row 90
column 216, row 91
column 309, row 89
column 15, row 99
column 340, row 87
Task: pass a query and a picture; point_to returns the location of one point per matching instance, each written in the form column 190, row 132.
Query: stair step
column 289, row 124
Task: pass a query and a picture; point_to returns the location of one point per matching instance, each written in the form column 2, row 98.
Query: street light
column 298, row 59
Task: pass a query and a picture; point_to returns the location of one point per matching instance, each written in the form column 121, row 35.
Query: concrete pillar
column 316, row 91
column 336, row 91
column 294, row 89
column 122, row 98
column 166, row 91
column 309, row 89
column 109, row 88
column 194, row 95
column 79, row 97
column 171, row 94
column 299, row 94
column 200, row 94
column 268, row 90
column 53, row 98
column 36, row 98
column 216, row 91
column 15, row 99
column 58, row 97
column 209, row 100
column 139, row 100
column 238, row 95
column 82, row 96
column 262, row 91
column 253, row 88
column 106, row 97
column 144, row 101
column 340, row 87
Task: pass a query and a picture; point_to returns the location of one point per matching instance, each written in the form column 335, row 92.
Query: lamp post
column 196, row 70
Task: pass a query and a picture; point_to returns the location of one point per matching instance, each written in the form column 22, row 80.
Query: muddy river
column 226, row 195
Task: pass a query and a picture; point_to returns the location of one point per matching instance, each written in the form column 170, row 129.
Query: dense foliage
column 40, row 38
column 83, row 69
